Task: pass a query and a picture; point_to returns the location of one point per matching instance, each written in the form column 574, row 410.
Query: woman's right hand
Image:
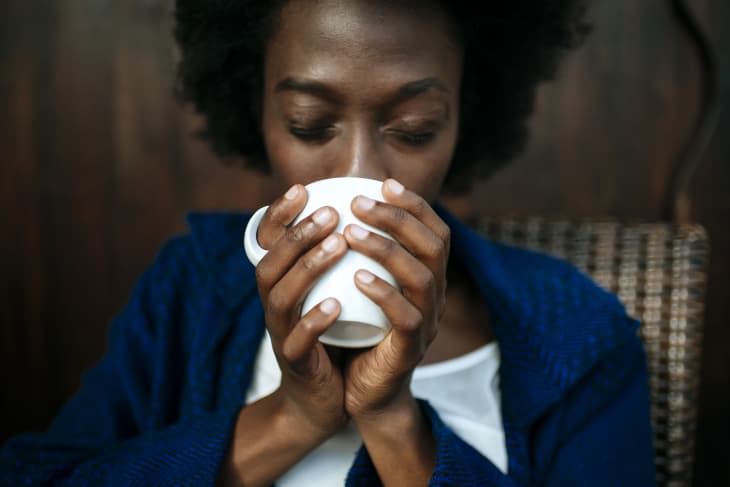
column 311, row 389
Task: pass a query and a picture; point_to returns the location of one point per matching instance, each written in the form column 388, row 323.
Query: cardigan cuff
column 457, row 463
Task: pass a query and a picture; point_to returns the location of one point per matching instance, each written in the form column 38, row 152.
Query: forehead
column 350, row 41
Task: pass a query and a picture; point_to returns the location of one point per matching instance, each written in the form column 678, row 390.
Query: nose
column 364, row 157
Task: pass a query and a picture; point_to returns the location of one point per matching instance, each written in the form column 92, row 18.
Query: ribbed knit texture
column 160, row 407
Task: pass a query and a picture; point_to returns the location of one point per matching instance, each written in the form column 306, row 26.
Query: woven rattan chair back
column 658, row 272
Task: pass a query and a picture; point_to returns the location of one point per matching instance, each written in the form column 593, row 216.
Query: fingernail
column 292, row 193
column 365, row 203
column 328, row 306
column 358, row 232
column 322, row 216
column 394, row 186
column 365, row 277
column 330, row 244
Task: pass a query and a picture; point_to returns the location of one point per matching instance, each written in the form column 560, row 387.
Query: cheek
column 279, row 152
column 291, row 163
column 426, row 172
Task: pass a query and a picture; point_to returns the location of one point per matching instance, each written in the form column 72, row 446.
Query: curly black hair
column 509, row 46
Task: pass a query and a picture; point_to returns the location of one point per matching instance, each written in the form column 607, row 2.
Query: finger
column 297, row 349
column 418, row 238
column 284, row 302
column 280, row 214
column 395, row 194
column 296, row 240
column 414, row 277
column 410, row 333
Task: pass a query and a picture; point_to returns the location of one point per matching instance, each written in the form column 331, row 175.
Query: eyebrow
column 321, row 90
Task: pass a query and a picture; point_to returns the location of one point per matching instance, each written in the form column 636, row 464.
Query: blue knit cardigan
column 160, row 407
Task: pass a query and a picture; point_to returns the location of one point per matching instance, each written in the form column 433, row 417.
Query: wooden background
column 97, row 169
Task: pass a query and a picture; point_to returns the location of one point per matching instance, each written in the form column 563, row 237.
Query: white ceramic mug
column 361, row 322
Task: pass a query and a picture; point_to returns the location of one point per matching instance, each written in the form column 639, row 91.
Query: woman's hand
column 311, row 388
column 278, row 430
column 377, row 381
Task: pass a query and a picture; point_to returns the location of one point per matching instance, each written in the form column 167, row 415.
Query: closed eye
column 415, row 138
column 313, row 134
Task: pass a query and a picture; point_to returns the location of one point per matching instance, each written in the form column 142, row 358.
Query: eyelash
column 318, row 134
column 416, row 139
column 309, row 134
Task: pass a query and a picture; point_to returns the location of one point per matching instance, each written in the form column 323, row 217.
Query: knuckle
column 435, row 248
column 262, row 274
column 268, row 233
column 428, row 280
column 444, row 233
column 385, row 246
column 385, row 294
column 389, row 292
column 420, row 206
column 399, row 214
column 307, row 327
column 412, row 322
column 278, row 302
column 295, row 234
column 308, row 263
column 273, row 213
column 270, row 218
column 278, row 212
column 288, row 352
column 424, row 278
column 270, row 238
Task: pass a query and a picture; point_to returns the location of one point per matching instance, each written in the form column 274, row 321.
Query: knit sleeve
column 115, row 430
column 457, row 462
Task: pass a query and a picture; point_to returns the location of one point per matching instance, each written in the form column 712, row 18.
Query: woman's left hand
column 377, row 381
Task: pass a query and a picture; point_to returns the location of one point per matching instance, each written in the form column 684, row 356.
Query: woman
column 212, row 376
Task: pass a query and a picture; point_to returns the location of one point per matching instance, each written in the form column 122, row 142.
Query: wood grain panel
column 24, row 311
column 607, row 131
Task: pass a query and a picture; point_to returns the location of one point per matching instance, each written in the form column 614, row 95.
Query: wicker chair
column 658, row 272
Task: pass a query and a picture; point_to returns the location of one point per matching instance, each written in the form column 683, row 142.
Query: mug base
column 353, row 334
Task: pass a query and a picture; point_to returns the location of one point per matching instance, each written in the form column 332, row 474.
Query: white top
column 463, row 390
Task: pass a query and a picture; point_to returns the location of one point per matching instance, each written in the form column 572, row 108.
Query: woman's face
column 362, row 88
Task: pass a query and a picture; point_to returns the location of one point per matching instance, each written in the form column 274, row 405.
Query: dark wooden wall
column 97, row 169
